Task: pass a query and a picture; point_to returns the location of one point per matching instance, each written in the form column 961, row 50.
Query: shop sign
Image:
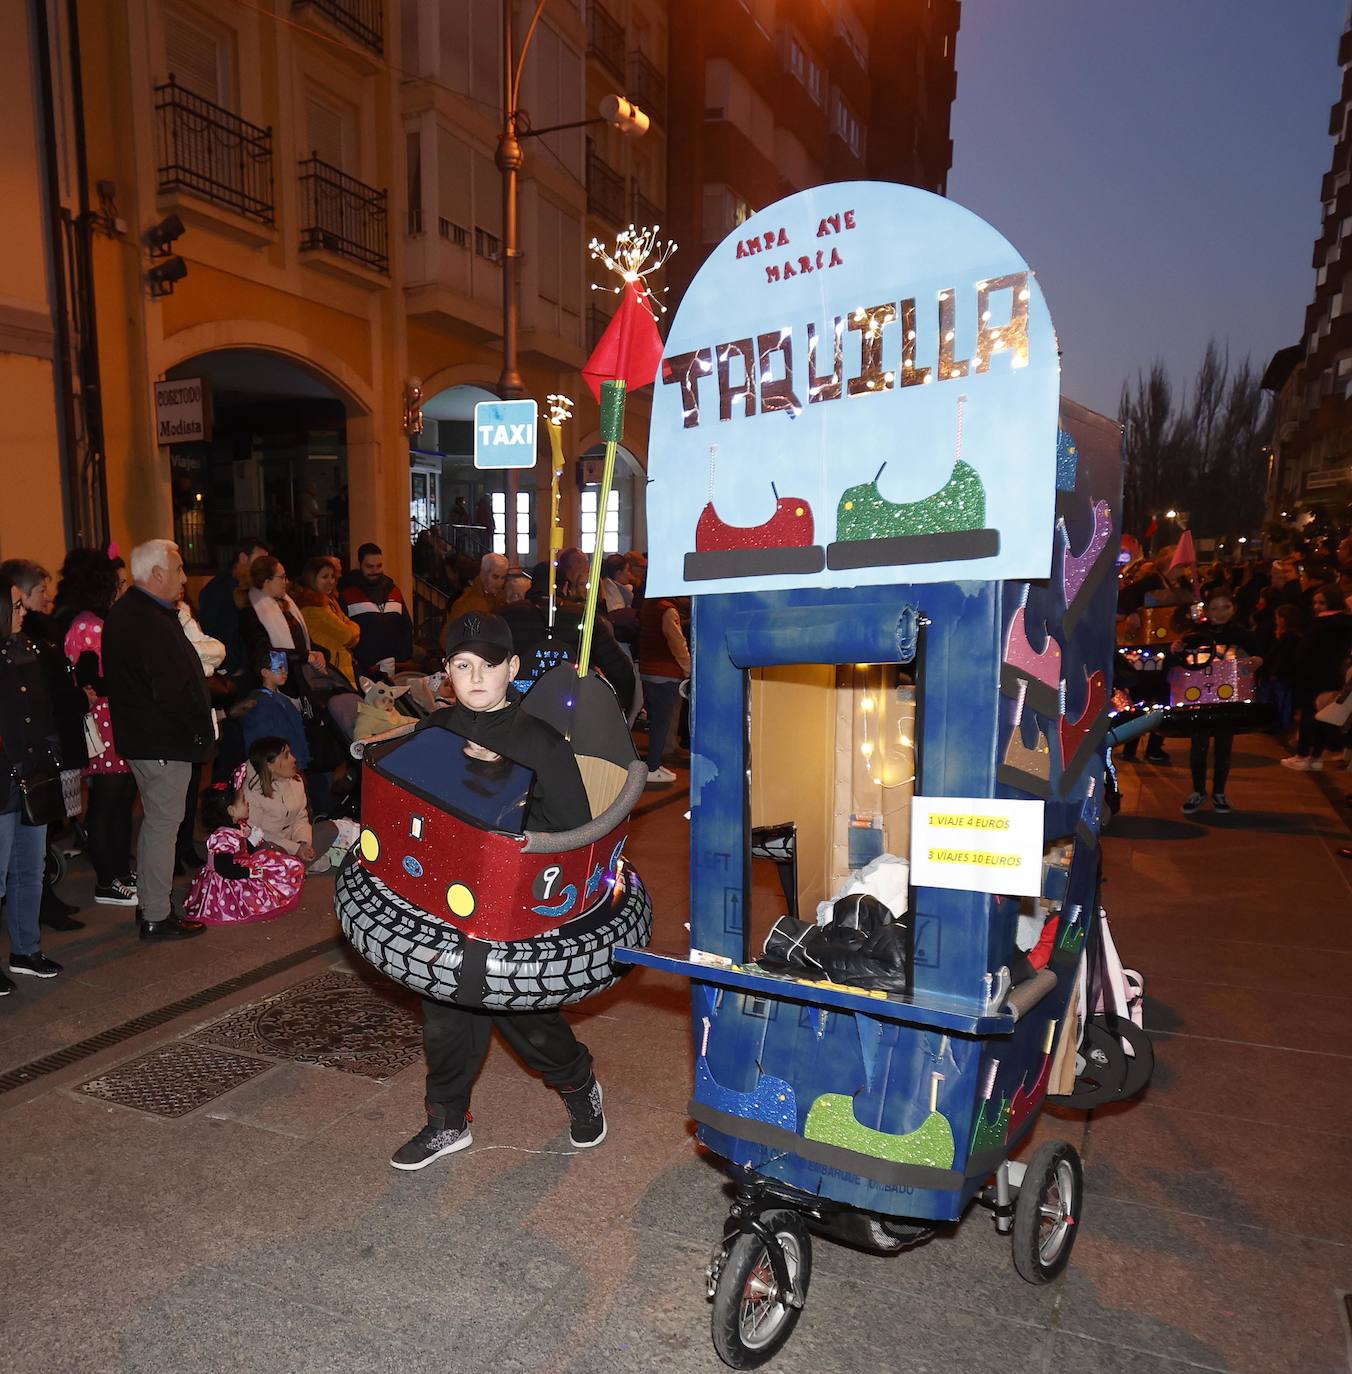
column 859, row 387
column 977, row 844
column 504, row 434
column 182, row 411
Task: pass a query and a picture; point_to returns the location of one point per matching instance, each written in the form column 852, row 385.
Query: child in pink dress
column 240, row 882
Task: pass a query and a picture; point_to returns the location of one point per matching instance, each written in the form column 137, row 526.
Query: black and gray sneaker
column 120, row 892
column 7, row 985
column 35, row 965
column 439, row 1137
column 1220, row 803
column 586, row 1120
column 1195, row 802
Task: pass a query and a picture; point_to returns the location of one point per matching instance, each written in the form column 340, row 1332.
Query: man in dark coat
column 161, row 712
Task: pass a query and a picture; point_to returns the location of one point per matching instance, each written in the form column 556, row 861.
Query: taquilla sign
column 860, row 386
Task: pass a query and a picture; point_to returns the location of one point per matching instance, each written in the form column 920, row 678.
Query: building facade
column 1312, row 446
column 770, row 97
column 253, row 283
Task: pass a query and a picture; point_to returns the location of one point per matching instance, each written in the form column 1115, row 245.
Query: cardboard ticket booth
column 899, row 544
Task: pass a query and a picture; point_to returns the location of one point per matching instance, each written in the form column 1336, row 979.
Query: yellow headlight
column 460, row 900
column 370, row 846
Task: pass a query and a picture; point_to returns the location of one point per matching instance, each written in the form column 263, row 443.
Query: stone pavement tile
column 70, row 1315
column 299, row 1100
column 83, row 1164
column 652, row 1063
column 1242, row 1172
column 333, row 1224
column 208, row 1322
column 1153, row 945
column 1210, row 1293
column 1253, row 1083
column 1295, row 1020
column 640, row 1304
column 1080, row 1355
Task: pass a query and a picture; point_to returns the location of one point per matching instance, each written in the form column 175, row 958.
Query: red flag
column 630, row 349
column 1151, row 528
column 1184, row 555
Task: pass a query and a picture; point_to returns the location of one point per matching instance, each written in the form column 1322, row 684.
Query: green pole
column 612, row 427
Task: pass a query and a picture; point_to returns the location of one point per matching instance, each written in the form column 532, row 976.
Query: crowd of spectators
column 116, row 689
column 1290, row 615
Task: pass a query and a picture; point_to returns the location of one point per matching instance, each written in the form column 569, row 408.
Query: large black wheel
column 428, row 955
column 752, row 1317
column 1141, row 1061
column 1047, row 1212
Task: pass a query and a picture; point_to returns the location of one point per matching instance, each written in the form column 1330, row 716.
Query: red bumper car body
column 480, row 881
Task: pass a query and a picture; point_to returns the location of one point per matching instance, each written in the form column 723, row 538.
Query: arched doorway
column 274, row 467
column 462, row 505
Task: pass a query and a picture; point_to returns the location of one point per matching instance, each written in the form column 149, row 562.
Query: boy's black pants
column 455, row 1041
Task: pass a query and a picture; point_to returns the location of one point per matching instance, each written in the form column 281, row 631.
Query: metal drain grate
column 335, row 1020
column 116, row 1035
column 174, row 1080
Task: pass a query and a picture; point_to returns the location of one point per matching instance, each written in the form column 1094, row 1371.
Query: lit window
column 499, row 522
column 610, row 539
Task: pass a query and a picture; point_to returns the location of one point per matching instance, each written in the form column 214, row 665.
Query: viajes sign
column 860, row 386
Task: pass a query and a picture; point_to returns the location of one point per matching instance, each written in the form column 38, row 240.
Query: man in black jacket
column 482, row 665
column 161, row 713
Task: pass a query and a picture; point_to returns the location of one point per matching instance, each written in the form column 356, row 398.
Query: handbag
column 1338, row 713
column 41, row 798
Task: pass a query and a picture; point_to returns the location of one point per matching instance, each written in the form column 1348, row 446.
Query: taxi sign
column 504, row 434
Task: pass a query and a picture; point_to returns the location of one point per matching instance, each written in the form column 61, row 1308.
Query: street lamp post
column 617, row 111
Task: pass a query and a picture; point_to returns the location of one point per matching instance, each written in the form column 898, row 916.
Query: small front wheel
column 752, row 1318
column 1047, row 1212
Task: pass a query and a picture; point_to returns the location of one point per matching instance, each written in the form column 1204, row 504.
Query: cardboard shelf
column 924, row 1010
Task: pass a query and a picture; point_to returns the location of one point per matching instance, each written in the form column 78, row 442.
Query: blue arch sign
column 860, row 386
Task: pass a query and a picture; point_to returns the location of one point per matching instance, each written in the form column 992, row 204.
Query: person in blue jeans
column 28, row 745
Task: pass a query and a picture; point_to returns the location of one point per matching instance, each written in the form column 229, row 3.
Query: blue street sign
column 504, row 434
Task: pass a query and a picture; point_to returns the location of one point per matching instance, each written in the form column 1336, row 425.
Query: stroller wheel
column 1047, row 1212
column 752, row 1318
column 56, row 865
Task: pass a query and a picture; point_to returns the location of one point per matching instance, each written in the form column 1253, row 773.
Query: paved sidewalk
column 262, row 1228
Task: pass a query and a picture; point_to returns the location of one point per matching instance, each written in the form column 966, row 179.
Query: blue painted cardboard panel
column 898, row 1093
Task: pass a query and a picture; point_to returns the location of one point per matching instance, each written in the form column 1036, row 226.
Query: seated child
column 242, row 880
column 278, row 805
column 267, row 711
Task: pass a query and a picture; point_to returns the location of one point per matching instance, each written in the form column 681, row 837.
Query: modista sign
column 860, row 386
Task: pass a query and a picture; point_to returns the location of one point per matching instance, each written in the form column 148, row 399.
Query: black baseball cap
column 488, row 636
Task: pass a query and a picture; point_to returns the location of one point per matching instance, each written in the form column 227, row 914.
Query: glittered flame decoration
column 637, row 254
column 560, row 408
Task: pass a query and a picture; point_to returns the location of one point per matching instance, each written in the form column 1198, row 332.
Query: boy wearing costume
column 481, row 664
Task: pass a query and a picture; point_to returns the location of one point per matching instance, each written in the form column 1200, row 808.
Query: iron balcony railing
column 363, row 20
column 343, row 215
column 605, row 187
column 647, row 87
column 605, row 38
column 213, row 153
